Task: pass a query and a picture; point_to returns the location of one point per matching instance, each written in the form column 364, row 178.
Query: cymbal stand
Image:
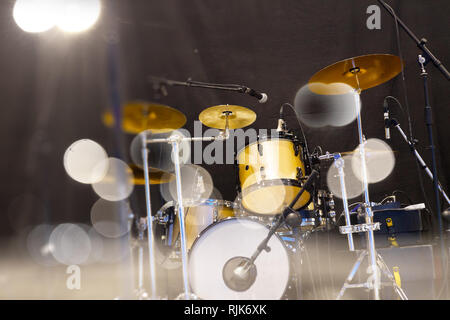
column 141, row 293
column 339, row 164
column 151, row 247
column 175, row 141
column 375, row 261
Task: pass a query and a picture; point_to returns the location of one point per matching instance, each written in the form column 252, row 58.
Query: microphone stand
column 249, row 263
column 395, row 124
column 423, row 60
column 206, row 85
column 420, row 43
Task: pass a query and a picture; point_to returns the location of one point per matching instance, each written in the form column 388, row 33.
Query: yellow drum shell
column 268, row 175
column 198, row 218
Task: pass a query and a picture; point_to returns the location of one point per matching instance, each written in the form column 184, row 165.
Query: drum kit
column 243, row 249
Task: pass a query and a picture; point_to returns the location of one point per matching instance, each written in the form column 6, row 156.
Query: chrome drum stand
column 376, row 263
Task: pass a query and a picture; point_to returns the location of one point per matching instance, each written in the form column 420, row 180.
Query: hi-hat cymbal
column 156, row 176
column 361, row 72
column 238, row 117
column 138, row 116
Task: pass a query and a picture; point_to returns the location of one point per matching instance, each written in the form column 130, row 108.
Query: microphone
column 262, row 97
column 387, row 131
column 281, row 123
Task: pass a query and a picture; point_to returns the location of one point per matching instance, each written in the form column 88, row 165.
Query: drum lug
column 262, row 173
column 299, row 173
column 296, row 149
column 260, row 149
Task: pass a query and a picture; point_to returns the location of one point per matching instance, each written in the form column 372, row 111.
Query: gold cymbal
column 156, row 176
column 138, row 116
column 239, row 117
column 360, row 73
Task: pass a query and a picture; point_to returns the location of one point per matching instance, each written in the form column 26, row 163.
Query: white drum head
column 231, row 238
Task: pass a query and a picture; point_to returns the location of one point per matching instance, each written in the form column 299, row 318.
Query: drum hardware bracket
column 357, row 228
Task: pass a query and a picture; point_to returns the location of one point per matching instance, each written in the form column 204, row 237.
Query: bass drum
column 233, row 238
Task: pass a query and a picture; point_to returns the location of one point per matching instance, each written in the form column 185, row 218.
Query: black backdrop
column 54, row 87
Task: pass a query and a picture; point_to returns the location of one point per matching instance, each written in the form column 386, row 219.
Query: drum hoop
column 205, row 202
column 274, row 182
column 235, row 218
column 284, row 246
column 294, row 140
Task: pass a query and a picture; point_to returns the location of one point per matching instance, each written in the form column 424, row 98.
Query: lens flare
column 318, row 104
column 84, row 161
column 353, row 185
column 380, row 161
column 196, row 185
column 110, row 218
column 117, row 184
column 70, row 243
column 39, row 246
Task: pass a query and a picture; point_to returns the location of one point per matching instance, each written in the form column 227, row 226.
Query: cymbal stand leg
column 140, row 291
column 339, row 164
column 384, row 268
column 151, row 247
column 370, row 239
column 180, row 208
column 352, row 273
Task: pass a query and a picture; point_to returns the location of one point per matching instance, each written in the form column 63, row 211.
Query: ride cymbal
column 238, row 117
column 360, row 73
column 138, row 116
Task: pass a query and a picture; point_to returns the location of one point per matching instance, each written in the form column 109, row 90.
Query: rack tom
column 271, row 171
column 199, row 217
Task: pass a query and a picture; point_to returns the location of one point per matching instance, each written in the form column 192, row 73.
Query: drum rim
column 284, row 246
column 205, row 201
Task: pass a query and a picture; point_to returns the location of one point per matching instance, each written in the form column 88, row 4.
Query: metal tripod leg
column 352, row 273
column 384, row 268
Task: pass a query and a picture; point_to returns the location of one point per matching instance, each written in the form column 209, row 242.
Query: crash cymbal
column 156, row 176
column 138, row 116
column 238, row 117
column 360, row 73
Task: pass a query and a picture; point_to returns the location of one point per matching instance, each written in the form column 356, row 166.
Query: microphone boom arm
column 206, row 85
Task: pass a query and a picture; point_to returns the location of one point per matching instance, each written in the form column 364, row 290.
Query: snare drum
column 270, row 174
column 199, row 217
column 232, row 238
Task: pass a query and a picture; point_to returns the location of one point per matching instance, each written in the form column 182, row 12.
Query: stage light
column 77, row 15
column 35, row 15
